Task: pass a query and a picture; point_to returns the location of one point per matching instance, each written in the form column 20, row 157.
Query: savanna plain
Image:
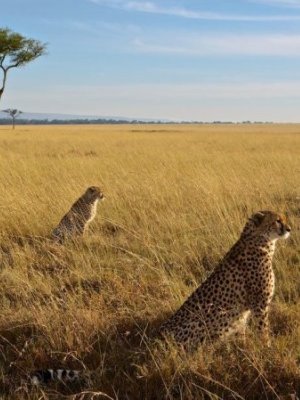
column 177, row 198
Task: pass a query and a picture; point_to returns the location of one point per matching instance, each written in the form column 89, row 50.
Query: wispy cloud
column 183, row 12
column 92, row 28
column 179, row 92
column 231, row 90
column 228, row 45
column 280, row 3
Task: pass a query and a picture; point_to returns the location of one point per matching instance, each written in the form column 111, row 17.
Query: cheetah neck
column 263, row 250
column 262, row 242
column 256, row 251
column 266, row 244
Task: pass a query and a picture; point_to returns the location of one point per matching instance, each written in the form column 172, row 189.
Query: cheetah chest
column 93, row 211
column 272, row 284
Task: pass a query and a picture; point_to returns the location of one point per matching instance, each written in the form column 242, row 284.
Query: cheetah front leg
column 261, row 316
column 241, row 327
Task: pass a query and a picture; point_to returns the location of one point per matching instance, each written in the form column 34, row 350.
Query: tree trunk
column 13, row 122
column 3, row 82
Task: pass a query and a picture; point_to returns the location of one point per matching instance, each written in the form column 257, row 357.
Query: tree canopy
column 16, row 51
column 14, row 113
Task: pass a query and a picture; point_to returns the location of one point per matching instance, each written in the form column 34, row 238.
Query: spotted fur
column 242, row 284
column 82, row 212
column 48, row 376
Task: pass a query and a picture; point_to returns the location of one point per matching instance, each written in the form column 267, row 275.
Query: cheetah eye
column 279, row 221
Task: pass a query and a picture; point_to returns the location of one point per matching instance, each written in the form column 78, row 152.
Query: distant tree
column 14, row 113
column 16, row 51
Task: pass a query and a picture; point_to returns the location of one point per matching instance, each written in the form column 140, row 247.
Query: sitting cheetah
column 241, row 284
column 82, row 212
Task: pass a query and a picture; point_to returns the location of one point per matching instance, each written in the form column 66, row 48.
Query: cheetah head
column 267, row 224
column 93, row 193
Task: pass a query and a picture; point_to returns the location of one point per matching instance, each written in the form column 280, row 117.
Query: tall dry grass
column 177, row 198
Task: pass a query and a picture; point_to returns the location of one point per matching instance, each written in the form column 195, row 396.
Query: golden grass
column 177, row 198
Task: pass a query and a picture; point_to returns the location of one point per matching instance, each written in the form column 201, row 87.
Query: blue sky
column 191, row 60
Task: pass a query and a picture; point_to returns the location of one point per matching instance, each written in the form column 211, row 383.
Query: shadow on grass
column 130, row 362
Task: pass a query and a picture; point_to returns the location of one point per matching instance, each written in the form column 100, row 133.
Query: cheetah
column 82, row 212
column 242, row 284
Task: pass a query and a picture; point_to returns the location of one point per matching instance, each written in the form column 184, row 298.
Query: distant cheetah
column 82, row 212
column 241, row 284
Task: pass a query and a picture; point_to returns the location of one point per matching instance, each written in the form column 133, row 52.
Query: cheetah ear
column 257, row 218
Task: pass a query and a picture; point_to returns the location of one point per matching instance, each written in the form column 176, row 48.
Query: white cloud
column 228, row 44
column 153, row 8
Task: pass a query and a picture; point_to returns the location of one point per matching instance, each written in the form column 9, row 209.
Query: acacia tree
column 16, row 51
column 14, row 113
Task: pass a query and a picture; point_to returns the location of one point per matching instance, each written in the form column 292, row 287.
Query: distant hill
column 29, row 118
column 68, row 118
